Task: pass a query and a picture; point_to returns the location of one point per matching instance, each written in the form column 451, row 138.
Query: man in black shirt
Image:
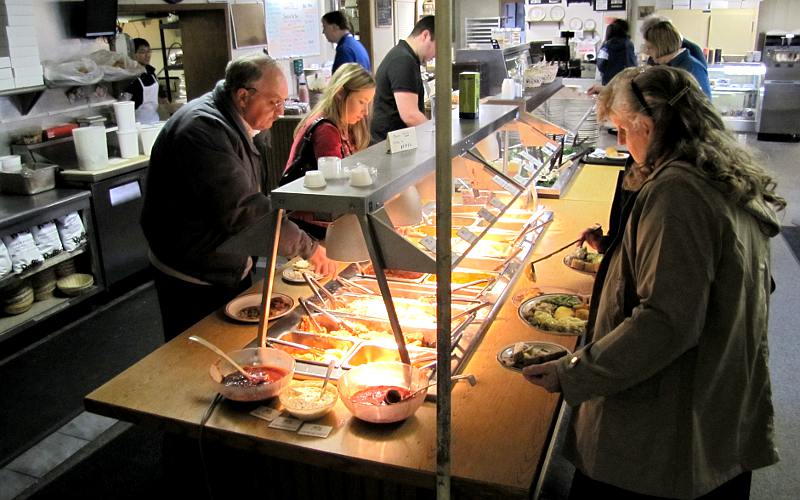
column 399, row 96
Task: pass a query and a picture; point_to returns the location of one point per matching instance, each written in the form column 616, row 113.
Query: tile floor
column 780, row 158
column 29, row 468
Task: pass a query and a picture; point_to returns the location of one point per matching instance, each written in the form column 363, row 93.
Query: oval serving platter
column 504, row 357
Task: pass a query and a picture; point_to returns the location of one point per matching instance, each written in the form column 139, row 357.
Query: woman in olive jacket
column 672, row 396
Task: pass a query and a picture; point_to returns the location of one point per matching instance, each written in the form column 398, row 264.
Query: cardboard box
column 27, row 71
column 14, row 9
column 29, row 81
column 16, row 20
column 25, row 61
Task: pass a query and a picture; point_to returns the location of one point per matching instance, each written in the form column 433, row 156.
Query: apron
column 147, row 112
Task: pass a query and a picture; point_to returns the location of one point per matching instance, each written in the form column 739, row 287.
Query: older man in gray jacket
column 206, row 183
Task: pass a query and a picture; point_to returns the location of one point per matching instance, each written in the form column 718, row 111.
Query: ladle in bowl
column 393, row 396
column 209, row 345
column 331, row 364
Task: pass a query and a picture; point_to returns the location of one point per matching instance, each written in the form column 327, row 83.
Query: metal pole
column 444, row 183
column 266, row 295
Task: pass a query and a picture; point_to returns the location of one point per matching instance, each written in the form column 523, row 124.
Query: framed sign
column 534, row 2
column 609, row 4
column 383, row 13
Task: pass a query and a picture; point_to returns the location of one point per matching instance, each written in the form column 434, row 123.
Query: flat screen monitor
column 101, row 17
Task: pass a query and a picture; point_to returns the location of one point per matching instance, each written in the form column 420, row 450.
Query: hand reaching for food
column 592, row 236
column 322, row 264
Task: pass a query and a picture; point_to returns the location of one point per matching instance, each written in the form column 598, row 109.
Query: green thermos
column 469, row 94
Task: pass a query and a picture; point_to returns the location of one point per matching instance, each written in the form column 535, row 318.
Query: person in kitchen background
column 663, row 44
column 337, row 126
column 617, row 52
column 336, row 28
column 400, row 93
column 206, row 183
column 693, row 49
column 672, row 397
column 144, row 89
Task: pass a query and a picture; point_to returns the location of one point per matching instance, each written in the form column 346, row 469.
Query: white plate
column 530, row 303
column 504, row 356
column 557, row 13
column 294, row 276
column 589, row 25
column 254, row 300
column 536, row 14
column 564, row 260
column 575, row 24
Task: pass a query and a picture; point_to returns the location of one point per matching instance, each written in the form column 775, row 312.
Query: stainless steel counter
column 20, row 212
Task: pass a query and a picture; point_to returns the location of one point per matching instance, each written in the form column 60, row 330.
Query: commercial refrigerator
column 781, row 104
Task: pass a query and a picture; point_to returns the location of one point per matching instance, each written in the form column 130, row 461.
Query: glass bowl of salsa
column 274, row 369
column 363, row 391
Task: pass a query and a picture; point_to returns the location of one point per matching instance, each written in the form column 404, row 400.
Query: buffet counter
column 502, row 427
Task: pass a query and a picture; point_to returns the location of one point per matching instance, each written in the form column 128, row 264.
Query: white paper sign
column 404, row 139
column 315, row 430
column 265, row 413
column 286, row 424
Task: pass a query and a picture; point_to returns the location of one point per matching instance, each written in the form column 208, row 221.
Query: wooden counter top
column 501, row 427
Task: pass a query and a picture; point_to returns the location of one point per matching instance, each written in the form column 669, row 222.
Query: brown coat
column 673, row 395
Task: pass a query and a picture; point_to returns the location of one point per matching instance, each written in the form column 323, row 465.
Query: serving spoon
column 393, row 396
column 209, row 345
column 331, row 364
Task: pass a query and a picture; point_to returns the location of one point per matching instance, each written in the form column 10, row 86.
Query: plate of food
column 583, row 260
column 247, row 308
column 294, row 273
column 521, row 354
column 557, row 313
column 607, row 156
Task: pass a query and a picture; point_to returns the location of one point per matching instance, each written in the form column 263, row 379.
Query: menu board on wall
column 293, row 28
column 609, row 5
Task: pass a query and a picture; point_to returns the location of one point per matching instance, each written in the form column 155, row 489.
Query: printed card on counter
column 497, row 203
column 429, row 243
column 286, row 424
column 315, row 430
column 265, row 413
column 467, row 235
column 404, row 139
column 486, row 215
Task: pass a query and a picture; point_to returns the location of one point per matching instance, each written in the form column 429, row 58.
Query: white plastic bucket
column 91, row 147
column 128, row 143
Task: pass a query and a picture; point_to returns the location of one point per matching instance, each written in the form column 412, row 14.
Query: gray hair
column 244, row 71
column 649, row 21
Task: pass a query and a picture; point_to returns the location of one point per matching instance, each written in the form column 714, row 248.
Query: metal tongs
column 355, row 286
column 339, row 321
column 310, row 315
column 531, row 272
column 470, row 310
column 317, row 287
column 295, row 345
column 529, row 228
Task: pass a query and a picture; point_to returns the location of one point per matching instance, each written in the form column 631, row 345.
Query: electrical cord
column 206, row 416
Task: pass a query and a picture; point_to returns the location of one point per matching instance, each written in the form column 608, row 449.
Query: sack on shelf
column 71, row 231
column 5, row 260
column 47, row 239
column 23, row 251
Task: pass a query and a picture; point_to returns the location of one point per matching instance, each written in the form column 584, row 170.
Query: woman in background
column 663, row 43
column 337, row 126
column 617, row 52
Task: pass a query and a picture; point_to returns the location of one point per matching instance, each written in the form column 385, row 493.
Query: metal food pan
column 392, row 275
column 428, row 287
column 370, row 352
column 338, row 348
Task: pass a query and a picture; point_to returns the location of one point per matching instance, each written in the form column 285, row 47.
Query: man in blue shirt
column 336, row 28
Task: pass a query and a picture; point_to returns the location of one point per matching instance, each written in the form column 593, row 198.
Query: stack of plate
column 65, row 268
column 44, row 283
column 18, row 299
column 567, row 113
column 75, row 284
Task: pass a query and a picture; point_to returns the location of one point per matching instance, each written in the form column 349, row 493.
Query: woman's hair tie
column 678, row 96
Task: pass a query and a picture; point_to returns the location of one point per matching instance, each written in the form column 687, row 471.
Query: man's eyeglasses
column 274, row 101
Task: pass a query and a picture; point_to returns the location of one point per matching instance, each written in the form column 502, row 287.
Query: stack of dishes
column 75, row 284
column 64, row 269
column 44, row 283
column 18, row 298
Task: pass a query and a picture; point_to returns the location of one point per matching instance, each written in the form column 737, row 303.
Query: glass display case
column 737, row 92
column 495, row 223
